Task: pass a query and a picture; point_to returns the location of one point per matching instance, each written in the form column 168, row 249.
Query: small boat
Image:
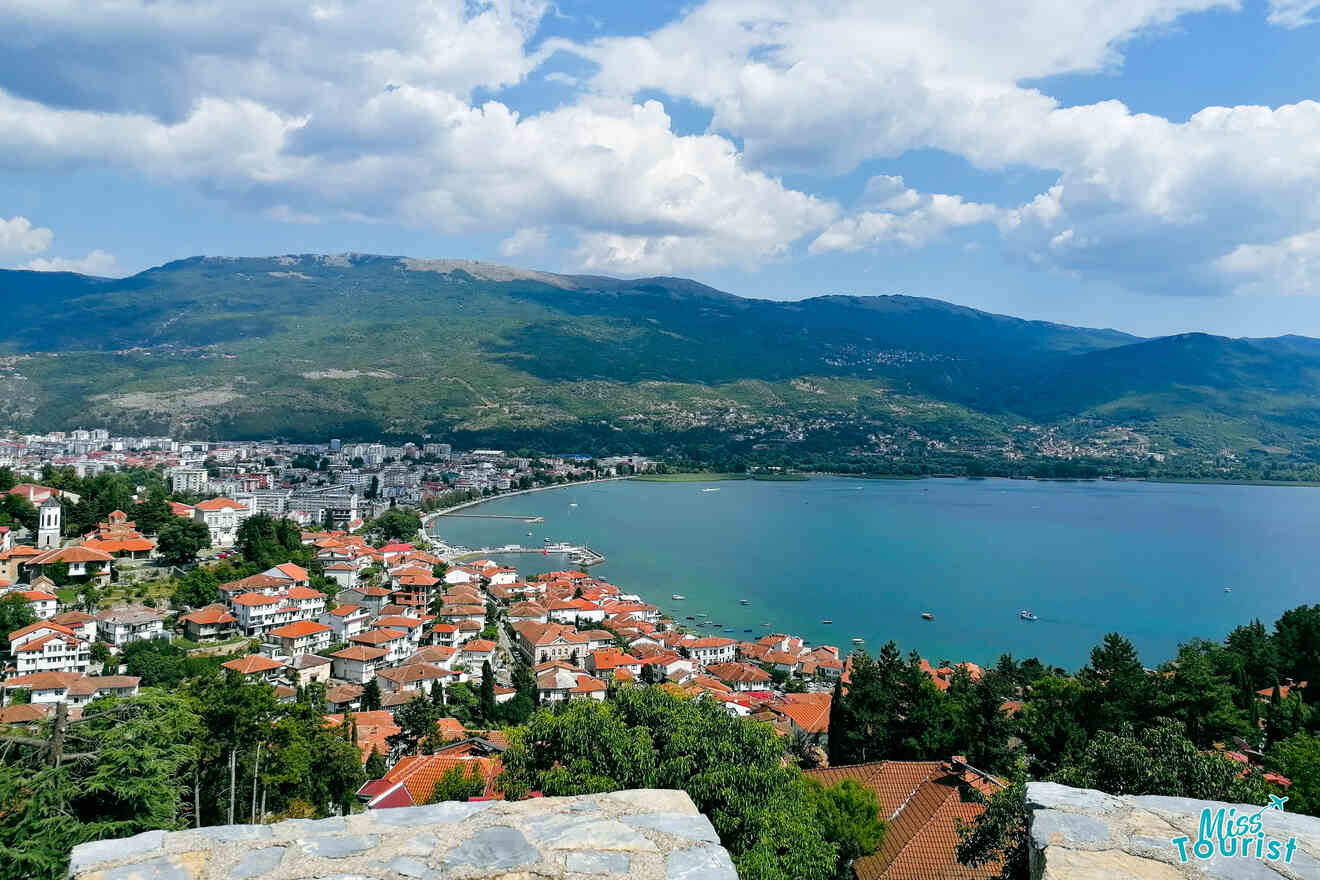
column 1228, row 589
column 926, row 615
column 572, row 504
column 713, row 489
column 529, row 534
column 858, row 641
column 1026, row 615
column 765, row 623
column 678, row 597
column 728, row 629
column 747, row 630
column 690, row 617
column 702, row 614
column 827, row 620
column 743, row 602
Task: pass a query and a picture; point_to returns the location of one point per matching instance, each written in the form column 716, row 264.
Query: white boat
column 712, row 489
column 1026, row 615
column 573, row 504
column 858, row 641
column 742, row 602
column 926, row 615
column 678, row 597
column 1228, row 589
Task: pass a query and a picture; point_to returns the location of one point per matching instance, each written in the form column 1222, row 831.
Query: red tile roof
column 252, row 664
column 298, row 629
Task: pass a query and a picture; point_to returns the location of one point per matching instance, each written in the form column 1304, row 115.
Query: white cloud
column 903, row 216
column 1293, row 13
column 1288, row 266
column 19, row 236
column 822, row 87
column 97, row 262
column 528, row 240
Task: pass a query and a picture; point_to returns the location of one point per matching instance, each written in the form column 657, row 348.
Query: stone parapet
column 641, row 834
column 1080, row 834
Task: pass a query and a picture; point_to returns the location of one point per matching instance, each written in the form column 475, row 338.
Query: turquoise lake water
column 1149, row 560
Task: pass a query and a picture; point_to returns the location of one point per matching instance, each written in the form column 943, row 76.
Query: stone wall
column 1079, row 834
column 645, row 835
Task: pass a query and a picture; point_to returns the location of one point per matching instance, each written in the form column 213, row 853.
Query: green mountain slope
column 356, row 345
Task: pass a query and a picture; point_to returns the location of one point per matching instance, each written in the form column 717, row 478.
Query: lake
column 1149, row 560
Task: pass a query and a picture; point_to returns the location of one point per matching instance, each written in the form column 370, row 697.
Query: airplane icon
column 1276, row 802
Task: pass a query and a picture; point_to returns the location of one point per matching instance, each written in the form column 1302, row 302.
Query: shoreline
column 428, row 518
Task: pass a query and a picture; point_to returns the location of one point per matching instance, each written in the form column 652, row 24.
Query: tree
column 999, row 834
column 459, row 784
column 1050, row 723
column 397, row 524
column 1159, row 760
column 375, row 767
column 1200, row 696
column 1118, row 690
column 20, row 697
column 1298, row 758
column 1259, row 655
column 180, row 540
column 158, row 662
column 100, row 654
column 196, row 588
column 1297, row 641
column 17, row 509
column 489, row 708
column 370, row 701
column 46, row 810
column 891, row 710
column 437, row 694
column 416, row 720
column 153, row 512
column 849, row 815
column 646, row 738
column 15, row 613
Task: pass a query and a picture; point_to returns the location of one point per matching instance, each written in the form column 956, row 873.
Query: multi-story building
column 222, row 516
column 133, row 623
column 188, row 479
column 301, row 637
column 48, row 647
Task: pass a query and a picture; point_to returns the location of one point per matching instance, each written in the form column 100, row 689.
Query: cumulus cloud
column 901, row 215
column 1293, row 13
column 819, row 88
column 19, row 236
column 1288, row 266
column 528, row 240
column 97, row 262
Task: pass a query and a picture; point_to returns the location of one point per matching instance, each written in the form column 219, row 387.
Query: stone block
column 87, row 854
column 292, row 829
column 595, row 862
column 176, row 867
column 1077, row 830
column 499, row 846
column 692, row 827
column 257, row 863
column 447, row 813
column 570, row 831
column 700, row 863
column 1052, row 796
column 339, row 847
column 650, row 800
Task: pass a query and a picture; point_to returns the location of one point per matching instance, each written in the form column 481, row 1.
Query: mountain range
column 349, row 345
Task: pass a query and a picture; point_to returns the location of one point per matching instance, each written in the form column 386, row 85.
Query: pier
column 577, row 554
column 526, row 519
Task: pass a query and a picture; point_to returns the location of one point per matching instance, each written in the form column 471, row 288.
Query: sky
column 1148, row 165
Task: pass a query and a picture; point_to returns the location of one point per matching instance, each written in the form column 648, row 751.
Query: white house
column 711, row 649
column 133, row 623
column 346, row 621
column 357, row 663
column 301, row 637
column 48, row 647
column 222, row 516
column 396, row 644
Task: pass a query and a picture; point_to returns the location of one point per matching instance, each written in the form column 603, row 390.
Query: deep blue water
column 1149, row 560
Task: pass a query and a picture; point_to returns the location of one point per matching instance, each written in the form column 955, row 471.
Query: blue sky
column 1149, row 165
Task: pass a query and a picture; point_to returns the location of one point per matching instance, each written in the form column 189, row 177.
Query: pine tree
column 489, row 709
column 375, row 767
column 437, row 694
column 371, row 696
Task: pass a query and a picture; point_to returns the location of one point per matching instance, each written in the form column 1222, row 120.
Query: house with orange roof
column 410, row 626
column 740, row 676
column 342, row 697
column 222, row 516
column 367, row 596
column 346, row 621
column 300, row 637
column 71, row 687
column 1285, row 690
column 118, row 537
column 48, row 647
column 475, row 652
column 557, row 684
column 529, row 611
column 606, row 661
column 343, row 573
column 211, row 622
column 396, row 644
column 412, row 781
column 710, row 649
column 82, row 561
column 358, row 663
column 13, row 559
column 574, row 610
column 256, row 666
column 808, row 714
column 923, row 803
column 541, row 642
column 412, row 677
column 81, row 623
column 372, row 731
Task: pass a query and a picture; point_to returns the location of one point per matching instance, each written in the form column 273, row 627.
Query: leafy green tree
column 891, row 710
column 7, row 479
column 646, row 738
column 1118, row 690
column 849, row 815
column 416, row 720
column 17, row 509
column 370, row 701
column 437, row 694
column 397, row 524
column 459, row 784
column 99, row 654
column 1051, row 723
column 375, row 767
column 999, row 834
column 265, row 541
column 1258, row 653
column 15, row 613
column 1159, row 760
column 1205, row 700
column 140, row 755
column 180, row 540
column 196, row 588
column 1297, row 642
column 153, row 512
column 20, row 697
column 1298, row 758
column 308, row 761
column 159, row 663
